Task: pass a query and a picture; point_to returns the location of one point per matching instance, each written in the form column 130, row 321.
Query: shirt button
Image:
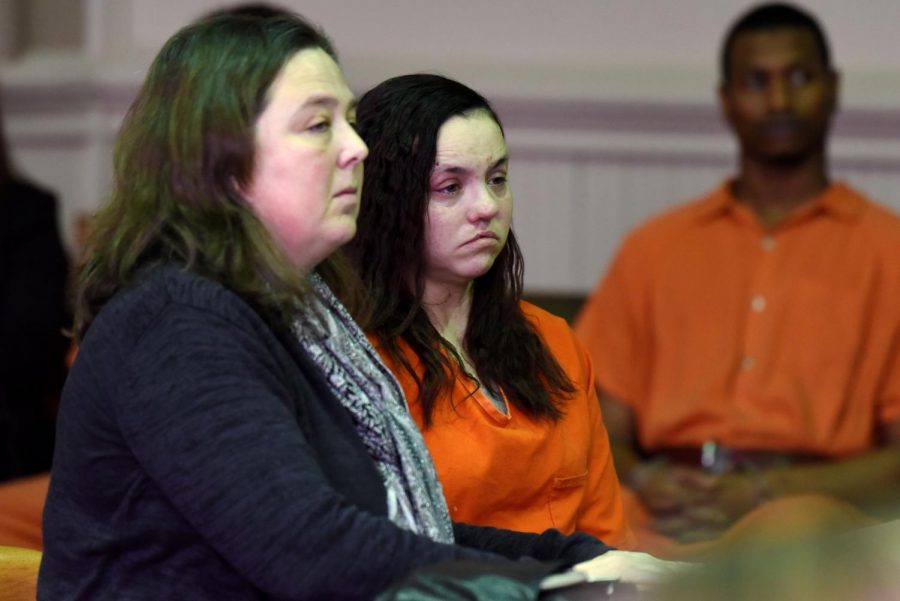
column 747, row 362
column 758, row 303
column 767, row 243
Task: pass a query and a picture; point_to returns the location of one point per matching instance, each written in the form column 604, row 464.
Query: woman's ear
column 238, row 189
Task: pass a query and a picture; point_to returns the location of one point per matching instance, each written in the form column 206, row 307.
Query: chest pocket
column 566, row 495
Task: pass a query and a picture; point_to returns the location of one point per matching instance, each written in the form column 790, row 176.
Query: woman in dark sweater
column 203, row 453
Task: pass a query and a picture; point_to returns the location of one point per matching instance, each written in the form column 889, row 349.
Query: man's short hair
column 774, row 16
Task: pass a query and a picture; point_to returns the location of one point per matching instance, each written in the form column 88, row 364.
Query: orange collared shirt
column 508, row 470
column 711, row 328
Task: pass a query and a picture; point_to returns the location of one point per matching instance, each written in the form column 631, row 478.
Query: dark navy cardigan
column 200, row 455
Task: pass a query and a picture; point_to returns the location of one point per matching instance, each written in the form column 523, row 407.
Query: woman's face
column 470, row 202
column 308, row 165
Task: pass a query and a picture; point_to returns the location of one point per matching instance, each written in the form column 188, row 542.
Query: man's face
column 779, row 96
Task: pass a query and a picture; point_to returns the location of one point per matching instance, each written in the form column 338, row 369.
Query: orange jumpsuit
column 21, row 507
column 709, row 327
column 509, row 470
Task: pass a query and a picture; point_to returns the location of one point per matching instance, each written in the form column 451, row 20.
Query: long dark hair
column 184, row 150
column 399, row 120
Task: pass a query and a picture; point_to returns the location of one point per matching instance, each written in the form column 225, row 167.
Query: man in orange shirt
column 747, row 344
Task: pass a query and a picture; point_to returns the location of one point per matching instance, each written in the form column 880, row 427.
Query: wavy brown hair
column 399, row 120
column 185, row 148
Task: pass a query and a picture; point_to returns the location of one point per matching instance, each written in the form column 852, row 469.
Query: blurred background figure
column 821, row 566
column 746, row 343
column 33, row 315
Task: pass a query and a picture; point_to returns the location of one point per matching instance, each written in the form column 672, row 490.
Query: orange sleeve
column 615, row 327
column 603, row 514
column 889, row 396
column 22, row 501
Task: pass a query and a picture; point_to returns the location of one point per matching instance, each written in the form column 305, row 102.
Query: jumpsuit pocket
column 566, row 495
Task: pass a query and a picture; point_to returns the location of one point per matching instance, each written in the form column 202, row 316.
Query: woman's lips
column 487, row 235
column 348, row 190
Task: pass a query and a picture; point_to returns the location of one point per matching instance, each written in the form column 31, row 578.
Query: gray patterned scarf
column 369, row 391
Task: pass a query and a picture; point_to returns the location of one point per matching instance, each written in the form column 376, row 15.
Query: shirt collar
column 837, row 200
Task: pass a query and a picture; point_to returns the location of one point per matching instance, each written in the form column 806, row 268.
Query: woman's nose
column 354, row 150
column 484, row 206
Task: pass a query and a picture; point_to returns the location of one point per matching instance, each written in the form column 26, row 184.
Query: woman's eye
column 320, row 126
column 448, row 189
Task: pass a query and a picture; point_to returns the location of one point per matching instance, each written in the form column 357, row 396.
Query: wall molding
column 584, row 172
column 608, row 114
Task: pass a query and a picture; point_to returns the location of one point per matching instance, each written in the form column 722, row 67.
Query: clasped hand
column 691, row 505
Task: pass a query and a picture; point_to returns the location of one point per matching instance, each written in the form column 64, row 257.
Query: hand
column 731, row 496
column 629, row 566
column 670, row 489
column 734, row 494
column 675, row 495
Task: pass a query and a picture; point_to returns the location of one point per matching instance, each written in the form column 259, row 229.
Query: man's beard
column 792, row 156
column 786, row 160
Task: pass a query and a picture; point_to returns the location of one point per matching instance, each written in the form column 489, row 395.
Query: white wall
column 608, row 104
column 663, row 49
